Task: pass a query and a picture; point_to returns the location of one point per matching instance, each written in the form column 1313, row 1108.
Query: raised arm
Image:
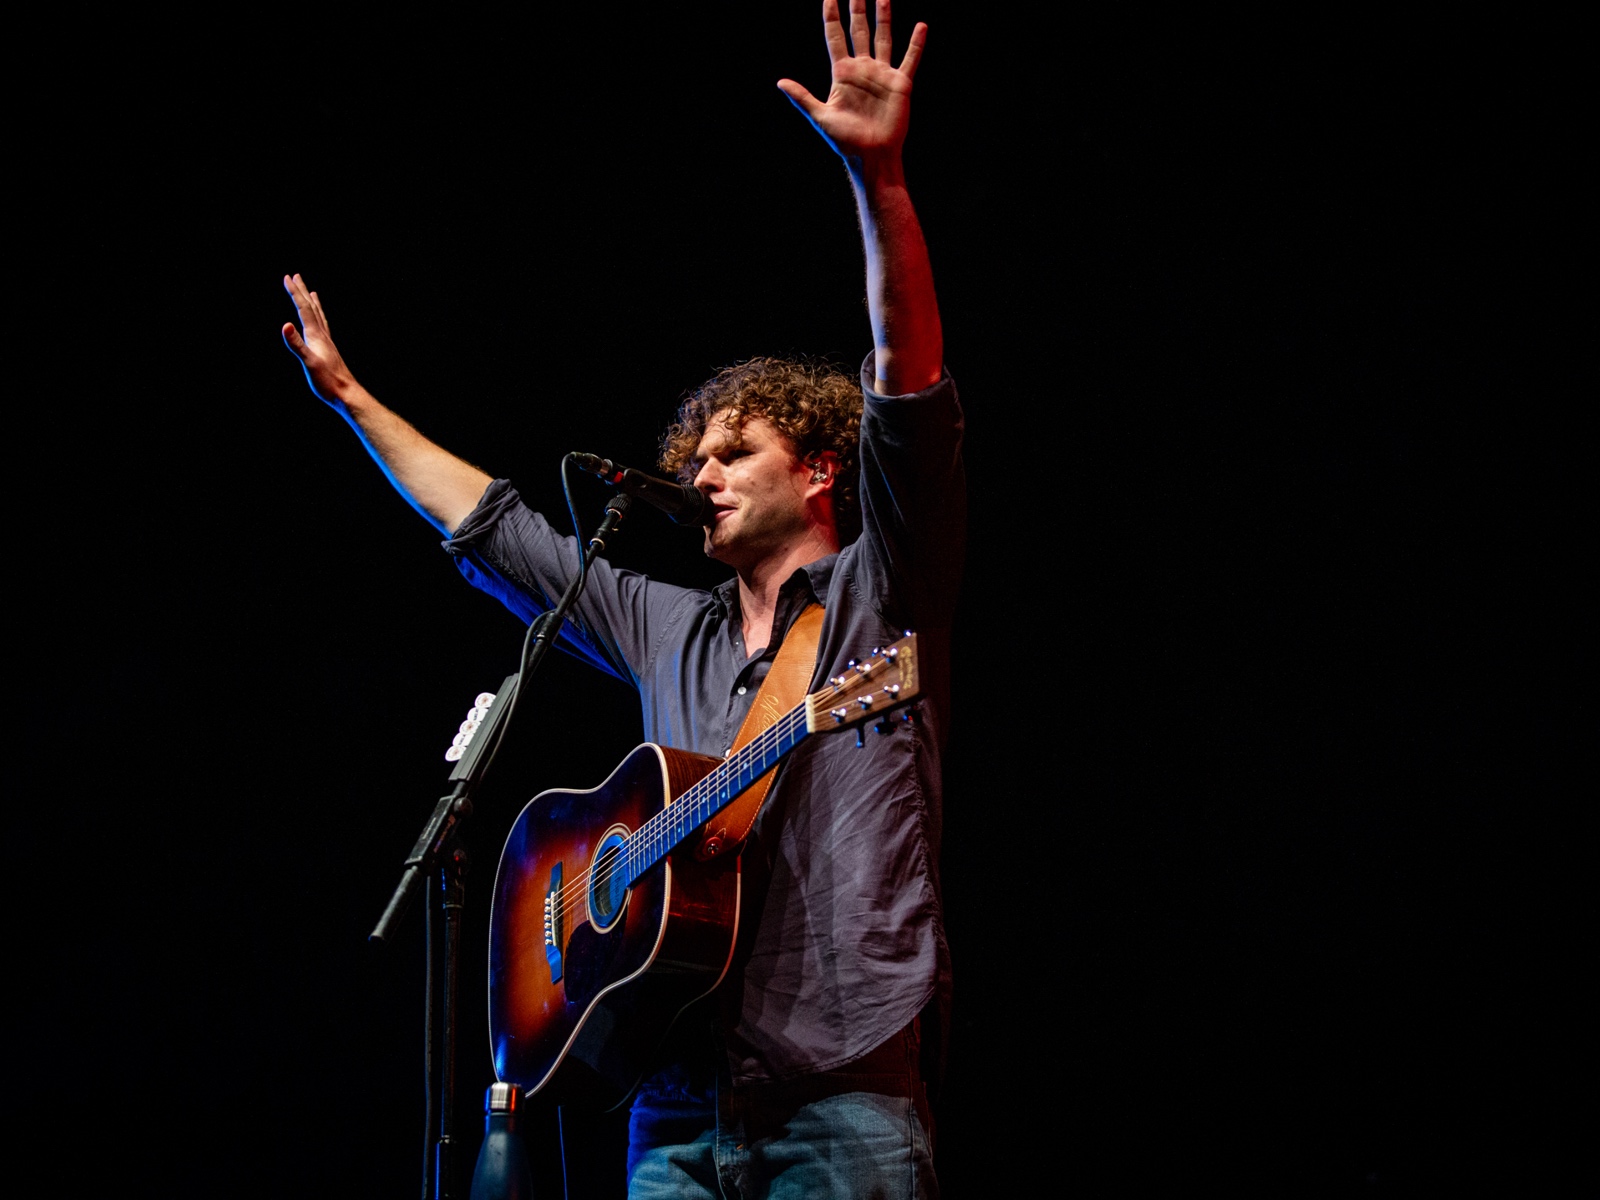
column 436, row 483
column 865, row 119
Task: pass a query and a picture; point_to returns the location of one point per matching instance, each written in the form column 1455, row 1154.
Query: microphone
column 684, row 504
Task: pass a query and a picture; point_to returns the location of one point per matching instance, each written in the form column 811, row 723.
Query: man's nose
column 708, row 478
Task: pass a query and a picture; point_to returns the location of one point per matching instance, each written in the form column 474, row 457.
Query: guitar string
column 577, row 893
column 641, row 840
column 653, row 830
column 659, row 825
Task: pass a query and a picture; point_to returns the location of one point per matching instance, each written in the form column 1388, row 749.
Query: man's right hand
column 329, row 378
column 440, row 486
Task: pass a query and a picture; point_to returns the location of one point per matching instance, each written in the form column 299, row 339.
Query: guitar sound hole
column 608, row 882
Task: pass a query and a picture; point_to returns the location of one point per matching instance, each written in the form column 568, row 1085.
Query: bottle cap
column 502, row 1098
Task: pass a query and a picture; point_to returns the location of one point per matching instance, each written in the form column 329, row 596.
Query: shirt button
column 741, row 691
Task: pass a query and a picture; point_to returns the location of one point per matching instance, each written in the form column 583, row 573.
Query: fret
column 666, row 830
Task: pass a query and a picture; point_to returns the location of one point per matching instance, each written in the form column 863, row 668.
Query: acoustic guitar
column 613, row 912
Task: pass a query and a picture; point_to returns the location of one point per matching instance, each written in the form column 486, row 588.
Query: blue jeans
column 861, row 1131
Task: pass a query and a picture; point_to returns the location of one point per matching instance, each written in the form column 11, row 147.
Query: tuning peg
column 861, row 737
column 469, row 727
column 882, row 727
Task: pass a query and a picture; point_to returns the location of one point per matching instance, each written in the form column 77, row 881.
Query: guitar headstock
column 867, row 690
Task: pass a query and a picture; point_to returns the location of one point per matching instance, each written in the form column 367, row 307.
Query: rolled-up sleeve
column 913, row 498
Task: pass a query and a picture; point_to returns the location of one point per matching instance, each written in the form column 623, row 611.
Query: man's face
column 757, row 486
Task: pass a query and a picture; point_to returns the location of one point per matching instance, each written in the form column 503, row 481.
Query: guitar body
column 616, row 908
column 583, row 985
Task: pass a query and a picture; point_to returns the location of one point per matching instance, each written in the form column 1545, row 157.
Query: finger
column 860, row 39
column 919, row 37
column 292, row 339
column 833, row 31
column 296, row 288
column 883, row 37
column 310, row 307
column 801, row 98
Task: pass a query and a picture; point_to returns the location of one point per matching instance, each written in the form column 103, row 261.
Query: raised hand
column 869, row 105
column 440, row 486
column 325, row 371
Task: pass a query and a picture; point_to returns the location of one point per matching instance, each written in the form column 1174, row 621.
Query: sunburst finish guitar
column 612, row 912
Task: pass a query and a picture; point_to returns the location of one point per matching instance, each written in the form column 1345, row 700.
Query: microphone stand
column 439, row 847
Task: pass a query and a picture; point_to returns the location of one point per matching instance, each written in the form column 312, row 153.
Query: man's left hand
column 868, row 109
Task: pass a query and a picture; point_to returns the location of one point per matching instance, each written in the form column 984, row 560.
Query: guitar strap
column 782, row 689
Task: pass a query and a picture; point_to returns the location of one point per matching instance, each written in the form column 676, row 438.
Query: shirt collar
column 814, row 578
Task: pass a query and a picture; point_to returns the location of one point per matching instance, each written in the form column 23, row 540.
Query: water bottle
column 502, row 1172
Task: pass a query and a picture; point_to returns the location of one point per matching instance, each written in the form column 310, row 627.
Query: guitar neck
column 664, row 832
column 865, row 691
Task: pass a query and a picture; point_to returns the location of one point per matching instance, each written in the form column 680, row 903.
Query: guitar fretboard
column 662, row 833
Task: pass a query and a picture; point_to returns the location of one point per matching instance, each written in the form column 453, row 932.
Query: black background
column 1238, row 891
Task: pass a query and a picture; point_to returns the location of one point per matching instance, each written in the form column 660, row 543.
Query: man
column 806, row 1076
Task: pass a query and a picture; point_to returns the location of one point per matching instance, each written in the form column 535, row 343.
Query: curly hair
column 816, row 406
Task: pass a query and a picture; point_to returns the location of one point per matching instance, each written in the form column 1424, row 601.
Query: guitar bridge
column 554, row 925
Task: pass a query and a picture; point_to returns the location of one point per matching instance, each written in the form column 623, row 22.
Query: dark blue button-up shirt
column 843, row 941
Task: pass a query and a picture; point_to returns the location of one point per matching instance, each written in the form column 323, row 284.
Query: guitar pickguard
column 592, row 960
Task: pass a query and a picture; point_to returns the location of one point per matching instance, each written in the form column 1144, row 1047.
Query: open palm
column 869, row 105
